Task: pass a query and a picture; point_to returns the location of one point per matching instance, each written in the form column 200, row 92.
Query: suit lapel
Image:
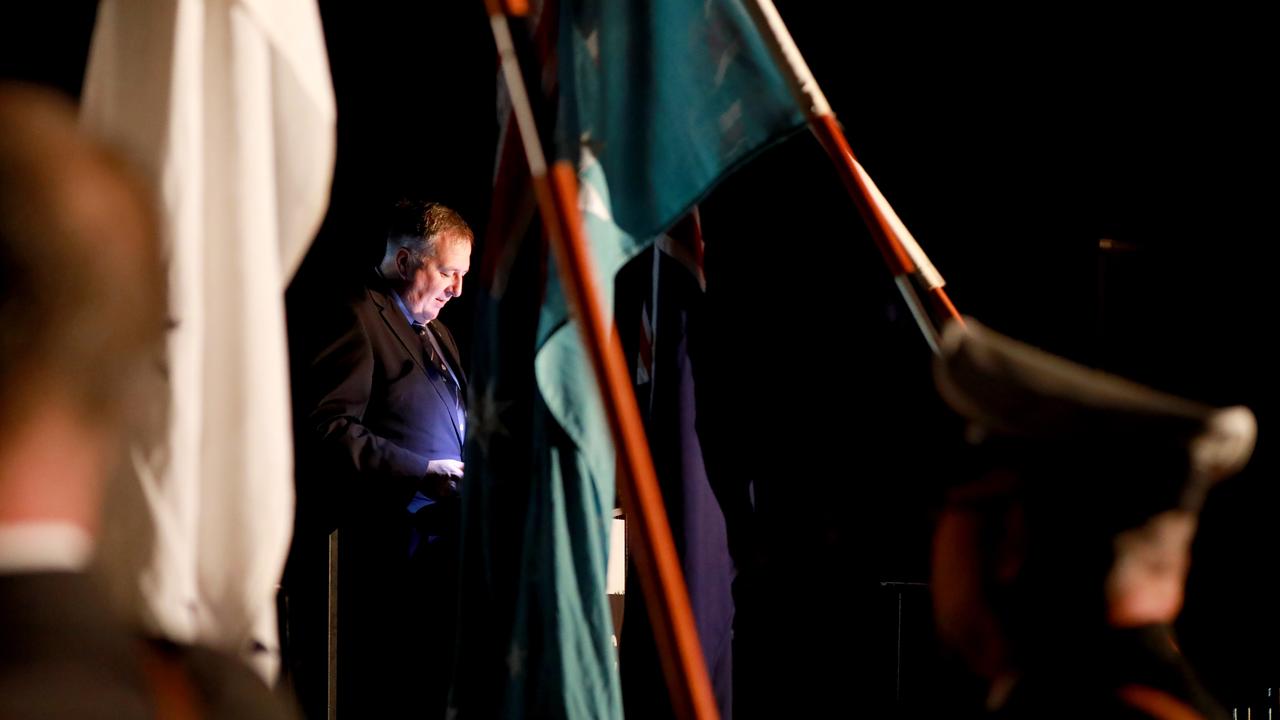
column 399, row 327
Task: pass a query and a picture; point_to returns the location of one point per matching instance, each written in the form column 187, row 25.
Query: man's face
column 438, row 280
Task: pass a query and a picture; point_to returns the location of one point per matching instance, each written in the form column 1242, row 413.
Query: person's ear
column 404, row 263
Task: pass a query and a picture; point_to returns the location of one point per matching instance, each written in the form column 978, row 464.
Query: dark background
column 1010, row 143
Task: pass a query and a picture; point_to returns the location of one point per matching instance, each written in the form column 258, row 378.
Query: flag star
column 486, row 418
column 591, row 202
column 592, row 188
column 726, row 60
column 592, row 42
column 515, row 661
column 731, row 117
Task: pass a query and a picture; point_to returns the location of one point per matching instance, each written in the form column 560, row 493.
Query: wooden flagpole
column 659, row 568
column 901, row 252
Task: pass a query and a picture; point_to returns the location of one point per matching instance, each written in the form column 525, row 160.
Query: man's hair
column 418, row 227
column 82, row 295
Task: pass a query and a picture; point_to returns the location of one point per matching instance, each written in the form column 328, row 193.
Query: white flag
column 227, row 106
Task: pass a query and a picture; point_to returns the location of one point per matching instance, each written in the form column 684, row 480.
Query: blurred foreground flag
column 227, row 108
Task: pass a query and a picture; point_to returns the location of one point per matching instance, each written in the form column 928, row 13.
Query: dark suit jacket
column 63, row 655
column 381, row 411
column 377, row 411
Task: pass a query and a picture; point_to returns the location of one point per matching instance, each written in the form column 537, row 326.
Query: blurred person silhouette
column 1060, row 561
column 82, row 322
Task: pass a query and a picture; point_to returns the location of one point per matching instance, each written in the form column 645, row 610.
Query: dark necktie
column 429, row 350
column 436, row 361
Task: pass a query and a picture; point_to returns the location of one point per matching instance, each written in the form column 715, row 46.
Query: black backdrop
column 1010, row 143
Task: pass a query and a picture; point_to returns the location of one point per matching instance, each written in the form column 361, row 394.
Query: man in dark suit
column 82, row 317
column 1060, row 562
column 389, row 415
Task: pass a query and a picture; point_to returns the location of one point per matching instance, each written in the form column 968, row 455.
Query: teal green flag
column 668, row 96
column 658, row 101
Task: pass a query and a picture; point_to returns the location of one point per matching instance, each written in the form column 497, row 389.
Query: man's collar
column 404, row 310
column 43, row 547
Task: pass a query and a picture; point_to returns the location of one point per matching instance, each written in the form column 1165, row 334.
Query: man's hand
column 442, row 478
column 450, row 468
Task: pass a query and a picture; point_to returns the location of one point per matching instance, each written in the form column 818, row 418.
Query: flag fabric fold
column 661, row 320
column 657, row 102
column 668, row 97
column 227, row 108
